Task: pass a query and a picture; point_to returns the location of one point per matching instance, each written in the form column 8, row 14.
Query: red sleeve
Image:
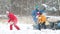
column 9, row 20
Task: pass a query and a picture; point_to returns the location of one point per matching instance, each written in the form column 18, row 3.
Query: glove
column 36, row 16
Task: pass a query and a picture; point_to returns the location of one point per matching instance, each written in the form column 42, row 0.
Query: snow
column 25, row 29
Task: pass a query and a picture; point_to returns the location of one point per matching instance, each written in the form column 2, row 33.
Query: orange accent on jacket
column 41, row 19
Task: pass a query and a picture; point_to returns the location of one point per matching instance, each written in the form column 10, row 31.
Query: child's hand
column 36, row 16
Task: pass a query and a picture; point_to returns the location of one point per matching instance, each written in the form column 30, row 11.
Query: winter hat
column 7, row 12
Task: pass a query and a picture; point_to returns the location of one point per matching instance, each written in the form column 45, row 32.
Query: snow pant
column 52, row 24
column 42, row 25
column 35, row 25
column 14, row 23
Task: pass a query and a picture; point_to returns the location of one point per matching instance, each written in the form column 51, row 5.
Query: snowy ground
column 25, row 29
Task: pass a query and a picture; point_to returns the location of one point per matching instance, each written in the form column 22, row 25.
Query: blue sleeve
column 41, row 11
column 33, row 13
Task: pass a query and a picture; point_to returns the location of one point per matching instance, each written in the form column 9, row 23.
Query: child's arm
column 39, row 19
column 9, row 20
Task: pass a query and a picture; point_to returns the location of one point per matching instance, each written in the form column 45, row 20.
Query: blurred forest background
column 25, row 7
